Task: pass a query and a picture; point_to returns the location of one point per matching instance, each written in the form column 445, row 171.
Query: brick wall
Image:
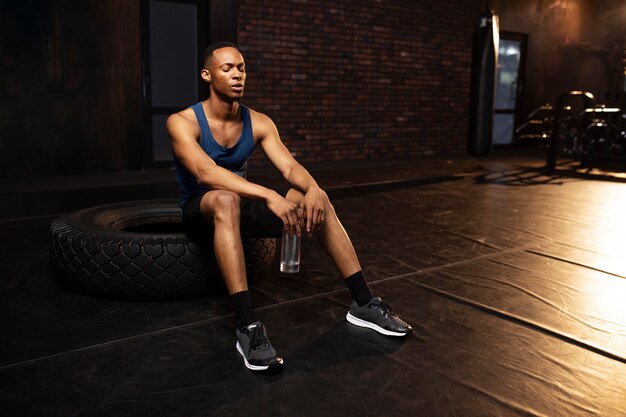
column 356, row 79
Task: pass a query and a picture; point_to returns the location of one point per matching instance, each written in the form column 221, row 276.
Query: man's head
column 224, row 68
column 208, row 52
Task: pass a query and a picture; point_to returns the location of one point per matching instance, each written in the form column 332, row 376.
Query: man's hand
column 313, row 203
column 286, row 210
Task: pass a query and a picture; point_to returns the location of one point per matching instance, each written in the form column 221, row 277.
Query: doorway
column 509, row 86
column 173, row 35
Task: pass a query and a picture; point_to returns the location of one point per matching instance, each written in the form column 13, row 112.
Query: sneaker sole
column 256, row 367
column 362, row 323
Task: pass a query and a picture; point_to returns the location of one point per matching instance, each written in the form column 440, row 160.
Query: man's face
column 226, row 71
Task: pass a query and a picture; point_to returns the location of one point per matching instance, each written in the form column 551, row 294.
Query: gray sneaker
column 377, row 315
column 258, row 353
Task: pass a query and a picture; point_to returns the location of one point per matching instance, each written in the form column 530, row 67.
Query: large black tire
column 139, row 251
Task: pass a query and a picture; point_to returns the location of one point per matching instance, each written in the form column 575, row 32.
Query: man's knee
column 294, row 196
column 221, row 205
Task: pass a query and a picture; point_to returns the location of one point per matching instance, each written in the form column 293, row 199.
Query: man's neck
column 220, row 109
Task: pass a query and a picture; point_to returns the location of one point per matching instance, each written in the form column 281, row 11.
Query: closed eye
column 228, row 67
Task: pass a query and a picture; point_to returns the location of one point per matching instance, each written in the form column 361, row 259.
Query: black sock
column 244, row 312
column 359, row 289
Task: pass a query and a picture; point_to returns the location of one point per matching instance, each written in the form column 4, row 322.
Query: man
column 212, row 141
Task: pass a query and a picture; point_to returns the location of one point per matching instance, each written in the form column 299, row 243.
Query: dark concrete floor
column 513, row 279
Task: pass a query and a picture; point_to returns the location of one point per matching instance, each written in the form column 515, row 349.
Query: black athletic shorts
column 256, row 219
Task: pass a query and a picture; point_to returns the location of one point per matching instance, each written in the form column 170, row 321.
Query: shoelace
column 258, row 339
column 384, row 308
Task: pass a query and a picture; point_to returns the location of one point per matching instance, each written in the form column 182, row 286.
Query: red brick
column 361, row 79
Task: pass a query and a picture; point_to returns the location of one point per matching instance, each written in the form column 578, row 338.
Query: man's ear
column 206, row 75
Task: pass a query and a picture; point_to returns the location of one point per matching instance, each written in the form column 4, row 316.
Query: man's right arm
column 183, row 133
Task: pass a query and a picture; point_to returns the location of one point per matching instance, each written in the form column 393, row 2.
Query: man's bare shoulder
column 259, row 117
column 183, row 121
column 261, row 123
column 184, row 116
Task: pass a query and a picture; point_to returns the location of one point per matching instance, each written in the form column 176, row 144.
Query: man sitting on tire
column 212, row 141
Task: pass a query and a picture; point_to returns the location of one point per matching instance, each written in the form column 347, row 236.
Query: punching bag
column 483, row 84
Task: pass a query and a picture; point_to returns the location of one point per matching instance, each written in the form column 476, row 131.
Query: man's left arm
column 315, row 198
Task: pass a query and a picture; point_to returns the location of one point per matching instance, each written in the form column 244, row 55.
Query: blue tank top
column 235, row 158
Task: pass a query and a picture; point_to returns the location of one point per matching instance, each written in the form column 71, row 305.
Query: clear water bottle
column 290, row 253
